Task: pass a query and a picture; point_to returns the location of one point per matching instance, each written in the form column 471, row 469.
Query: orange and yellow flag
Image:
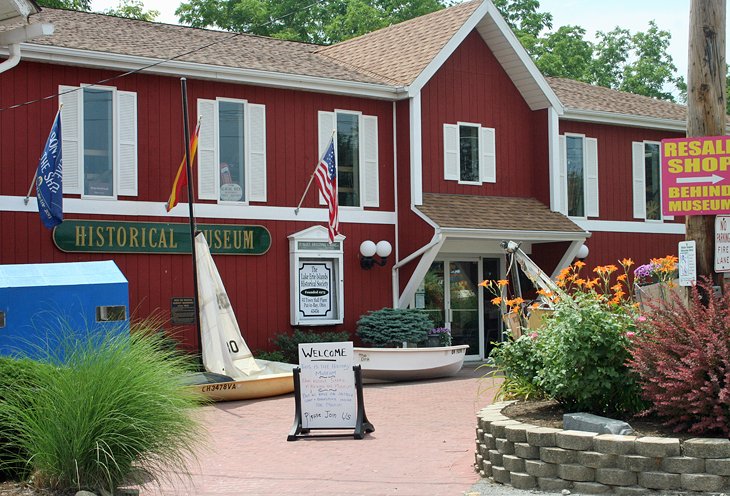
column 181, row 178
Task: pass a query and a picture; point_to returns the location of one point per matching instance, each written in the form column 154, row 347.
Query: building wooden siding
column 471, row 86
column 291, row 129
column 258, row 286
column 611, row 247
column 615, row 187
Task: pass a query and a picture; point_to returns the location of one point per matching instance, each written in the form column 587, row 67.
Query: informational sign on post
column 327, row 385
column 722, row 243
column 687, row 263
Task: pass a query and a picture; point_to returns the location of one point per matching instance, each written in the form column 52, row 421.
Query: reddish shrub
column 683, row 359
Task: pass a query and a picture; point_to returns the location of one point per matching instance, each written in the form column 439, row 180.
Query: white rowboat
column 409, row 364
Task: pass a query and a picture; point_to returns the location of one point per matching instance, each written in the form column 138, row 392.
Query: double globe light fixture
column 368, row 249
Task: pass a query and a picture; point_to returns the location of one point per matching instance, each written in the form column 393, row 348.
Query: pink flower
column 533, row 335
column 630, row 334
column 641, row 318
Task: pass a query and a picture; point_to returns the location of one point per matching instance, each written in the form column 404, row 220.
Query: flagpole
column 311, row 178
column 188, row 169
column 35, row 176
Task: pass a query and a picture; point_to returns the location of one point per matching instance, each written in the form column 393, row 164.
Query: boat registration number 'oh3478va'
column 221, row 386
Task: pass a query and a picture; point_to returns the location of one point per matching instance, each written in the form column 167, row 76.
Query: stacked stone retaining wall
column 531, row 457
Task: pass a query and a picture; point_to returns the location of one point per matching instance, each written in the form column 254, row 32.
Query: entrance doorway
column 451, row 295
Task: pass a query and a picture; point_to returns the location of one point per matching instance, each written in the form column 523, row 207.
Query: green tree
column 133, row 9
column 327, row 21
column 638, row 63
column 84, row 5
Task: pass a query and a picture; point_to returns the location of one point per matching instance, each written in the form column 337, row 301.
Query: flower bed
column 529, row 457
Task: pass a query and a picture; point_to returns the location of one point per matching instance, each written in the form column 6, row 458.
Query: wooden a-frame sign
column 328, row 392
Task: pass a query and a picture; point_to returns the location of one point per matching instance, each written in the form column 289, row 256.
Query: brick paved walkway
column 423, row 445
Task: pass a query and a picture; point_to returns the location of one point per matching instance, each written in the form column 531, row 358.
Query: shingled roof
column 115, row 35
column 389, row 58
column 499, row 213
column 399, row 53
column 582, row 96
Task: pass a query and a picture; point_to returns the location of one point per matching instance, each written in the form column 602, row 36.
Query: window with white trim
column 579, row 175
column 647, row 185
column 356, row 151
column 231, row 151
column 469, row 153
column 99, row 133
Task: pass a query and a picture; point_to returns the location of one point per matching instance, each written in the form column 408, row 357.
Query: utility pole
column 705, row 106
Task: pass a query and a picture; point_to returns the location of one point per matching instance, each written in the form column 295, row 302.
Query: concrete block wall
column 531, row 457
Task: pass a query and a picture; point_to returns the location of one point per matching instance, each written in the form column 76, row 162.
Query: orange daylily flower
column 484, row 283
column 502, row 282
column 627, row 262
column 621, row 277
column 580, row 264
column 496, row 301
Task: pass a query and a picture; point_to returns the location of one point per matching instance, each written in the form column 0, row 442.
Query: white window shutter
column 71, row 122
column 327, row 125
column 127, row 143
column 563, row 200
column 370, row 193
column 639, row 183
column 487, row 156
column 591, row 170
column 451, row 152
column 208, row 150
column 256, row 159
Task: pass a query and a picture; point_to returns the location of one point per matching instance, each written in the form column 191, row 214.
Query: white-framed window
column 231, row 151
column 356, row 151
column 99, row 133
column 469, row 153
column 647, row 181
column 579, row 175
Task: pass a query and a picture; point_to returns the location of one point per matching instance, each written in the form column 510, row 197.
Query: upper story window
column 579, row 175
column 356, row 149
column 231, row 151
column 469, row 153
column 576, row 176
column 99, row 141
column 646, row 172
column 348, row 159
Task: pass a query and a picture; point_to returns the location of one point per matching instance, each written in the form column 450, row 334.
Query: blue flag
column 49, row 176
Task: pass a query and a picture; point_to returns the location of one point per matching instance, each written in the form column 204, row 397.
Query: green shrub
column 20, row 374
column 683, row 359
column 390, row 327
column 114, row 412
column 288, row 344
column 519, row 362
column 584, row 348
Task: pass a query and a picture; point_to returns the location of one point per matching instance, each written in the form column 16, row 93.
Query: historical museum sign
column 98, row 236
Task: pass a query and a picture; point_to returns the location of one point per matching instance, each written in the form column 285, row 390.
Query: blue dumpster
column 42, row 305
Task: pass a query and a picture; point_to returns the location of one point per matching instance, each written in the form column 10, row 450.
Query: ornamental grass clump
column 683, row 359
column 111, row 411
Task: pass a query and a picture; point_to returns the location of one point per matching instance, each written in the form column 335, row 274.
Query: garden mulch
column 549, row 413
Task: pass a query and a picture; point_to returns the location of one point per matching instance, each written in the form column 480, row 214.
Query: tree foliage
column 638, row 63
column 133, row 9
column 84, row 5
column 327, row 21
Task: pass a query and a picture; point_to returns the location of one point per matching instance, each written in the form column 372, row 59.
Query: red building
column 448, row 141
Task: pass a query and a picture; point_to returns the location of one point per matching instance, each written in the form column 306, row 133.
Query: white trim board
column 615, row 119
column 630, row 227
column 202, row 210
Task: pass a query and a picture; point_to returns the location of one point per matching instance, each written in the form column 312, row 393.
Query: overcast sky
column 670, row 15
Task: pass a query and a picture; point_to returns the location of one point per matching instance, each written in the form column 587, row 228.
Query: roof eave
column 518, row 235
column 103, row 60
column 629, row 120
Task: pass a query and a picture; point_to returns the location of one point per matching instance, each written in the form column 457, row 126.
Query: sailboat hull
column 248, row 389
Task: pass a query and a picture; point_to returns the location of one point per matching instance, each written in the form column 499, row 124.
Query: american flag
column 326, row 174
